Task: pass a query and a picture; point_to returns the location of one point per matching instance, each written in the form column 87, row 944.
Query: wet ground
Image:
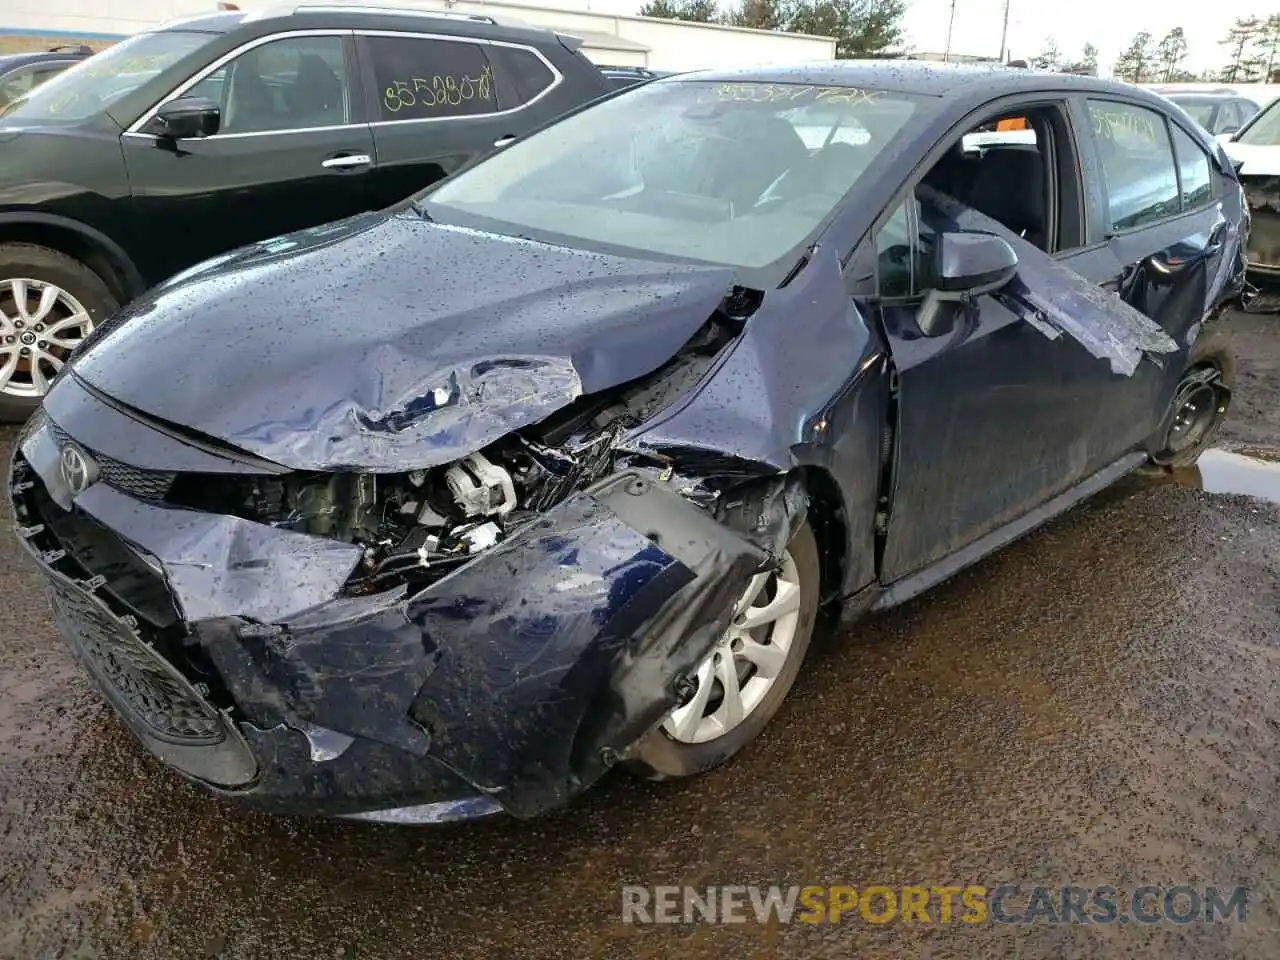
column 1097, row 704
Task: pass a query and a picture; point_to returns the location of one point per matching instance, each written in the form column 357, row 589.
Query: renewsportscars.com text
column 1006, row 903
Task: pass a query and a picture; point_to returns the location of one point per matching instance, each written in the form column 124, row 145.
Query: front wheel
column 744, row 679
column 1199, row 404
column 49, row 303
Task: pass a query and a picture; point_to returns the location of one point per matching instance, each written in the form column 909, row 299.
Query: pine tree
column 1240, row 40
column 1171, row 51
column 757, row 14
column 700, row 11
column 861, row 27
column 1134, row 64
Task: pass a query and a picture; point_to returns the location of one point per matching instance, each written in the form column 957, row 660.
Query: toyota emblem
column 78, row 469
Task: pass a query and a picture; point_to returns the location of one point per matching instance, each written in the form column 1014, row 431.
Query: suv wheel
column 48, row 304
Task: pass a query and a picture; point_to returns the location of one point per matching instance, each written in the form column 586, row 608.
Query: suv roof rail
column 398, row 11
column 72, row 48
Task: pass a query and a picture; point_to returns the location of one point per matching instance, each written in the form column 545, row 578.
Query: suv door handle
column 348, row 160
column 504, row 141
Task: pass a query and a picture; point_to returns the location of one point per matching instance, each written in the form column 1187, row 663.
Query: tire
column 659, row 755
column 80, row 290
column 1205, row 387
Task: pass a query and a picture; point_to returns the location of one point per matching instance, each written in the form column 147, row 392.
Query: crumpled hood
column 388, row 343
column 1254, row 160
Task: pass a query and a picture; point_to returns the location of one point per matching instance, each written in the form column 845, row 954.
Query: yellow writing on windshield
column 792, row 93
column 1124, row 125
column 437, row 92
column 139, row 64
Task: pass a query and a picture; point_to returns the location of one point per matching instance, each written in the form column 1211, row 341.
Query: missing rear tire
column 1200, row 403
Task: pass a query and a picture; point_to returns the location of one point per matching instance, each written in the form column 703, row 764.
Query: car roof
column 355, row 16
column 10, row 60
column 924, row 77
column 1206, row 96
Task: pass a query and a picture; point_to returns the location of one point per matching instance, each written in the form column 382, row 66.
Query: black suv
column 208, row 133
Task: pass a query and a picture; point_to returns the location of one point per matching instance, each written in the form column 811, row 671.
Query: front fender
column 526, row 672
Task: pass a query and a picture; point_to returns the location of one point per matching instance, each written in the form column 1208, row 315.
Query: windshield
column 1201, row 111
column 95, row 83
column 740, row 174
column 1265, row 129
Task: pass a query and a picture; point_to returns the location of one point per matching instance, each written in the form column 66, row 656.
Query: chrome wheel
column 40, row 324
column 737, row 675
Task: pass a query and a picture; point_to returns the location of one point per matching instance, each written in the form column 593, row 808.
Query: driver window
column 290, row 84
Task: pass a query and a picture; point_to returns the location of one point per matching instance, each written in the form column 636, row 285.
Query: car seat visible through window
column 315, row 96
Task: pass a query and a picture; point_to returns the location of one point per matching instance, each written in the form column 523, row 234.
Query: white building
column 608, row 38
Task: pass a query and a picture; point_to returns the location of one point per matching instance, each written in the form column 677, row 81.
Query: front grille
column 152, row 691
column 150, row 485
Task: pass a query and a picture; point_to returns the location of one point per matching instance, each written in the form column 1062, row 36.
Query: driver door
column 1001, row 412
column 292, row 151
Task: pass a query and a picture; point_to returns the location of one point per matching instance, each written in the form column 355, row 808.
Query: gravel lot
column 1096, row 704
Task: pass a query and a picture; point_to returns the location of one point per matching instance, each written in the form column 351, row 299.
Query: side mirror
column 186, row 118
column 969, row 264
column 966, row 265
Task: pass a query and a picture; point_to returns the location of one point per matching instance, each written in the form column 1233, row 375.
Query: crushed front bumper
column 512, row 683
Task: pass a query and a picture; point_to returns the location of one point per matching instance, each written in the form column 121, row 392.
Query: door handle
column 349, row 160
column 504, row 141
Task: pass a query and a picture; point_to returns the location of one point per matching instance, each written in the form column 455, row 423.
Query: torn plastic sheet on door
column 1101, row 322
column 1052, row 297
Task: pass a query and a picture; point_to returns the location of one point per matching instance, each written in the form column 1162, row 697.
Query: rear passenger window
column 424, row 79
column 1193, row 166
column 1137, row 163
column 521, row 75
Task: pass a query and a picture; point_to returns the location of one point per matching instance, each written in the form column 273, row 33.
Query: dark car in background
column 20, row 73
column 448, row 509
column 1218, row 111
column 205, row 134
column 622, row 77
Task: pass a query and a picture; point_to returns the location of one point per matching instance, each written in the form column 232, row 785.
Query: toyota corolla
column 448, row 509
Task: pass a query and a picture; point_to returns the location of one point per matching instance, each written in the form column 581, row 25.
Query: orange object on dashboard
column 1014, row 123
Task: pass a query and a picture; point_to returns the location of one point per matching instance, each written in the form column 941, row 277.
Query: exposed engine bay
column 417, row 526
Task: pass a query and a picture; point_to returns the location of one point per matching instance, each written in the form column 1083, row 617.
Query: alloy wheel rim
column 40, row 324
column 746, row 662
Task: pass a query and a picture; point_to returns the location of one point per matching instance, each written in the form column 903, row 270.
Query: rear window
column 422, row 79
column 1137, row 163
column 94, row 84
column 521, row 75
column 1201, row 111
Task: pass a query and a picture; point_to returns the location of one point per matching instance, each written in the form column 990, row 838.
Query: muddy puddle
column 1250, row 473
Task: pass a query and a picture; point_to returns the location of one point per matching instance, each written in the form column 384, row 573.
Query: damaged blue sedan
column 449, row 509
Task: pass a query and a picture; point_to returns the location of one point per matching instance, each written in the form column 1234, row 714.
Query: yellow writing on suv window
column 438, row 92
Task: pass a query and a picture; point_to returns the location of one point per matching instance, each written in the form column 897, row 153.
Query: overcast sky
column 1109, row 24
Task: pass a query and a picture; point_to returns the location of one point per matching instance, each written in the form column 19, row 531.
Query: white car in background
column 1255, row 152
